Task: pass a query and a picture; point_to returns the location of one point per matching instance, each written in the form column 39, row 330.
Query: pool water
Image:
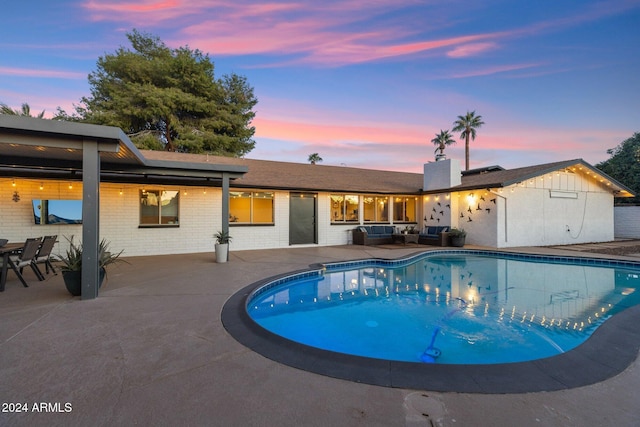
column 447, row 308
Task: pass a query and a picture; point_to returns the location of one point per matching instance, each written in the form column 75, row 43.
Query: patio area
column 152, row 350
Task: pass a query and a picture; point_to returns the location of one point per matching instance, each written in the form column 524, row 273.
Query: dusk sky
column 367, row 83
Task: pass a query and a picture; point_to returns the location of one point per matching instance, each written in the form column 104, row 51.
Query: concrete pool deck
column 152, row 350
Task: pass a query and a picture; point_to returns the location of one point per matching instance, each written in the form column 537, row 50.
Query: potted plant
column 457, row 236
column 222, row 246
column 72, row 265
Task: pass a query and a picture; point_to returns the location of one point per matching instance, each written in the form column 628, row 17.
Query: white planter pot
column 222, row 252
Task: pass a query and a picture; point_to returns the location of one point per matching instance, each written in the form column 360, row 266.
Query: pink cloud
column 145, row 6
column 317, row 34
column 337, row 133
column 326, row 33
column 53, row 74
column 492, row 70
column 291, row 134
column 471, row 49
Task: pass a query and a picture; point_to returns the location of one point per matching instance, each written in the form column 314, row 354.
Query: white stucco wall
column 626, row 222
column 528, row 215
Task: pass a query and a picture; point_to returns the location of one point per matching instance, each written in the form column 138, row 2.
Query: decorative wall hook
column 16, row 196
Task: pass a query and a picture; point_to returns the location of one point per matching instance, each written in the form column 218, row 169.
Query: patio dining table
column 5, row 251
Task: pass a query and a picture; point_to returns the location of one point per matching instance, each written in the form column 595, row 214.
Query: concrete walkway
column 151, row 350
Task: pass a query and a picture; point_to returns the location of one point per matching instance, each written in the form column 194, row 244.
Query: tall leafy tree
column 24, row 111
column 169, row 99
column 624, row 166
column 467, row 126
column 442, row 140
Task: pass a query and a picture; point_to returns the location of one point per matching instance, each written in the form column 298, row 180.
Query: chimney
column 442, row 175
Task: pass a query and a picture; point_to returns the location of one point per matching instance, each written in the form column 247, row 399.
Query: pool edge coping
column 608, row 352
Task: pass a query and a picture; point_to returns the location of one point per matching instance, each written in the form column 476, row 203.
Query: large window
column 376, row 209
column 404, row 209
column 159, row 207
column 344, row 208
column 251, row 207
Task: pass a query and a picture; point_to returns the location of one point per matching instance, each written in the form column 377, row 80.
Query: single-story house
column 152, row 202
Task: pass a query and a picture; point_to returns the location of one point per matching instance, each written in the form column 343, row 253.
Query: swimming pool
column 447, row 308
column 606, row 289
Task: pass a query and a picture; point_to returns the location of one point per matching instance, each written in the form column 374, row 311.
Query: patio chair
column 26, row 258
column 44, row 254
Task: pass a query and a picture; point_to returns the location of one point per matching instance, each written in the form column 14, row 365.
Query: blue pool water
column 469, row 308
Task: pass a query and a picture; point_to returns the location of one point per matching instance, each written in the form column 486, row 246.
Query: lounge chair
column 26, row 258
column 44, row 254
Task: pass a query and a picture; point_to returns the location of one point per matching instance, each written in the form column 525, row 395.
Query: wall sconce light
column 121, row 192
column 13, row 183
column 41, row 186
column 71, row 186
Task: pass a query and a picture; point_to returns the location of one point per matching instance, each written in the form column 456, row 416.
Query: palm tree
column 25, row 111
column 314, row 158
column 441, row 140
column 467, row 125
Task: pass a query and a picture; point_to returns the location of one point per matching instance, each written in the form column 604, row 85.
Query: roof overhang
column 49, row 149
column 496, row 177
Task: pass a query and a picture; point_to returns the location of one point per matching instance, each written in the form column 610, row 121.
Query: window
column 376, row 209
column 404, row 209
column 251, row 207
column 344, row 207
column 159, row 207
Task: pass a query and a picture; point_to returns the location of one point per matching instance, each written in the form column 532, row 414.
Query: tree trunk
column 466, row 152
column 167, row 135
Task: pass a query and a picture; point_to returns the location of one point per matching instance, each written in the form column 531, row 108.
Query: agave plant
column 72, row 260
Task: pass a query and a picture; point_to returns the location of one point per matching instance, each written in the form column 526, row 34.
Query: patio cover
column 48, row 149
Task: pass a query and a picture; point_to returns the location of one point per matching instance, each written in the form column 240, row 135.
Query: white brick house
column 277, row 204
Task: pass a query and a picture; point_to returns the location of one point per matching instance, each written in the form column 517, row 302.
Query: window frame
column 344, row 219
column 159, row 193
column 251, row 198
column 403, row 203
column 376, row 219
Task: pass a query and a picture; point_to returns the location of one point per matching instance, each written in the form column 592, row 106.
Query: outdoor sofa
column 435, row 235
column 373, row 234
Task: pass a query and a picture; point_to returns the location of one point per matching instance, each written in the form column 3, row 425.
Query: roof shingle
column 268, row 174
